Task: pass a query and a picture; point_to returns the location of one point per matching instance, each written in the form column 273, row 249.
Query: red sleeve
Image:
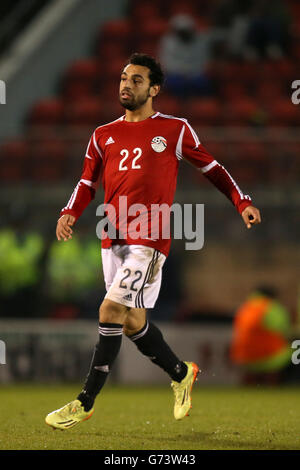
column 190, row 149
column 85, row 190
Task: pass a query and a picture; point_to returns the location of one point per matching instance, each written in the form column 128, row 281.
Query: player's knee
column 112, row 312
column 129, row 331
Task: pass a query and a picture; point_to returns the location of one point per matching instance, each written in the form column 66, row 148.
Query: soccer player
column 137, row 156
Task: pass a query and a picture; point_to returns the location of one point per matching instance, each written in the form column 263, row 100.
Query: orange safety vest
column 251, row 340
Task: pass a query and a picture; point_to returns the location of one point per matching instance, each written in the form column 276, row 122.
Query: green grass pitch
column 139, row 418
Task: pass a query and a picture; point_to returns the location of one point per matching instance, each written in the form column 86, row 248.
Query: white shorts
column 132, row 274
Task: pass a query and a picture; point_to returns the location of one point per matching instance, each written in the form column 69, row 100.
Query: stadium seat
column 232, row 90
column 108, row 92
column 205, row 111
column 13, row 161
column 243, row 111
column 267, row 92
column 48, row 160
column 145, row 10
column 106, row 51
column 80, row 78
column 148, row 46
column 167, row 104
column 248, row 72
column 286, row 70
column 115, row 31
column 82, row 69
column 114, row 68
column 152, row 29
column 111, row 109
column 249, row 163
column 84, row 112
column 283, row 112
column 218, row 150
column 48, row 111
column 295, row 11
column 179, row 7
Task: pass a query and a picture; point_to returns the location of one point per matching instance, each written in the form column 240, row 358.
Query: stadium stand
column 246, row 93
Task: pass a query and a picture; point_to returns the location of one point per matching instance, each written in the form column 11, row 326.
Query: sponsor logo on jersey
column 128, row 297
column 110, row 140
column 159, row 144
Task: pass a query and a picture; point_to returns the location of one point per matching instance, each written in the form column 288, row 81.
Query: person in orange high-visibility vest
column 260, row 330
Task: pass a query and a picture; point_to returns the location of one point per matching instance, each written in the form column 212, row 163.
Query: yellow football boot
column 68, row 416
column 182, row 391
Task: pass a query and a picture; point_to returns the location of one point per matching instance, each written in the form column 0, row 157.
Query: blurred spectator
column 259, row 344
column 232, row 17
column 74, row 273
column 185, row 54
column 19, row 272
column 269, row 30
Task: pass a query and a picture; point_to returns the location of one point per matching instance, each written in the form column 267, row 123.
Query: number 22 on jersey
column 125, row 154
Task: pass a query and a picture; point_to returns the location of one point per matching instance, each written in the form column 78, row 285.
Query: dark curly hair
column 156, row 74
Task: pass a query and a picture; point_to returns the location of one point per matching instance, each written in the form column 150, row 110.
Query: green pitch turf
column 136, row 418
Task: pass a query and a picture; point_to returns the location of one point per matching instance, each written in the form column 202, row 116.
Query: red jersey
column 140, row 160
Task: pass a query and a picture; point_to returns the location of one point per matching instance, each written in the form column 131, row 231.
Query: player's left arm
column 220, row 177
column 195, row 153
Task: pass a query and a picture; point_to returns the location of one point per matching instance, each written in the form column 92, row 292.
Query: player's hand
column 63, row 228
column 251, row 216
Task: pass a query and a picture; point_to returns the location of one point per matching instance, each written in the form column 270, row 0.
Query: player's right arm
column 84, row 191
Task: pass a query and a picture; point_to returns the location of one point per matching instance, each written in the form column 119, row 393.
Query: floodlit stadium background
column 61, row 62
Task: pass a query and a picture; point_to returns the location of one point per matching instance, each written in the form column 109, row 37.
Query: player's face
column 135, row 89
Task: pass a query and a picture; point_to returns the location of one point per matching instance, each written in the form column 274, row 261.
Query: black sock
column 149, row 340
column 105, row 352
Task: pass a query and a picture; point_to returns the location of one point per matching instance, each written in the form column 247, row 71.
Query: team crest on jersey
column 159, row 144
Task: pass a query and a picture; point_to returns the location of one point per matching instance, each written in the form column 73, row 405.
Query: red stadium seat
column 250, row 163
column 114, row 67
column 205, row 111
column 267, row 92
column 295, row 11
column 76, row 90
column 248, row 72
column 48, row 160
column 167, row 104
column 243, row 111
column 106, row 51
column 83, row 69
column 48, row 111
column 145, row 10
column 296, row 52
column 284, row 112
column 218, row 150
column 233, row 90
column 147, row 46
column 115, row 31
column 179, row 7
column 152, row 29
column 84, row 112
column 13, row 161
column 80, row 78
column 286, row 69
